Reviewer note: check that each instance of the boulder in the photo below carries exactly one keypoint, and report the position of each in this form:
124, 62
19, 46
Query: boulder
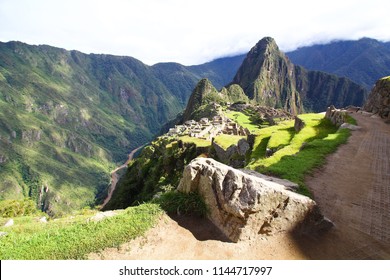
243, 206
298, 124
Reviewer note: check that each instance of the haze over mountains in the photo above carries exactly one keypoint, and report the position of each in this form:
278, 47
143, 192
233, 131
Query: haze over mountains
66, 118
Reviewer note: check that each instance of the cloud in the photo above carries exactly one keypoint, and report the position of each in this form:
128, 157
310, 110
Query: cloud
188, 32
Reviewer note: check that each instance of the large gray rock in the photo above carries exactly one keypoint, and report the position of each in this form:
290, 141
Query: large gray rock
244, 206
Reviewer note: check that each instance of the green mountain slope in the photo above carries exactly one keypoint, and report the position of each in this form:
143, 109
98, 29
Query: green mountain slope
67, 117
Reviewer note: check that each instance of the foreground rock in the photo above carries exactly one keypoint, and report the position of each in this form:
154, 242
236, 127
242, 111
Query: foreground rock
243, 206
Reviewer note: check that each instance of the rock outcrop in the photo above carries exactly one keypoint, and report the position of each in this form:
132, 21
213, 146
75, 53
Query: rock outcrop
378, 101
243, 206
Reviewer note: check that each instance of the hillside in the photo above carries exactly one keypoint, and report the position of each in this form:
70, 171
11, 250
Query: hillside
67, 118
363, 61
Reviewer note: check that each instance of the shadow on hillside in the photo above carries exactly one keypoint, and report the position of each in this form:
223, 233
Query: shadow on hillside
201, 228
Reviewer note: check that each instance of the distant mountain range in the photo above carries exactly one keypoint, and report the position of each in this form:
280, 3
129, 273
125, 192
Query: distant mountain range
67, 118
363, 61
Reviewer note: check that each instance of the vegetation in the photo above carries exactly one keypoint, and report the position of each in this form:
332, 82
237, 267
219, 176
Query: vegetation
174, 202
225, 140
245, 120
158, 169
67, 119
74, 237
296, 154
15, 208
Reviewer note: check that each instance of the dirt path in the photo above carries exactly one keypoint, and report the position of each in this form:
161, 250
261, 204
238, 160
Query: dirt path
352, 189
115, 176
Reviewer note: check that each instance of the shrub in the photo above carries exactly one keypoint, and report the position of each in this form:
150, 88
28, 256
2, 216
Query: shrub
13, 208
174, 202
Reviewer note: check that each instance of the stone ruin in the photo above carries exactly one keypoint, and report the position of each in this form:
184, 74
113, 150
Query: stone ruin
336, 116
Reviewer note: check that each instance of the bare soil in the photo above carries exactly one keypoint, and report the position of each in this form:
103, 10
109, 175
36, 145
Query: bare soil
352, 190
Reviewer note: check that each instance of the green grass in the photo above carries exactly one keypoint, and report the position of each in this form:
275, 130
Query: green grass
174, 202
243, 120
225, 140
74, 237
303, 152
198, 142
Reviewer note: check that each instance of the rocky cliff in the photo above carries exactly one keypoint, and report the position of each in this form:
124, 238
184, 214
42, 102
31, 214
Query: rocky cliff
244, 206
378, 101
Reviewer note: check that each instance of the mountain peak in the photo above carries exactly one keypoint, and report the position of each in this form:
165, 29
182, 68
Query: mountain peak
203, 89
266, 76
264, 44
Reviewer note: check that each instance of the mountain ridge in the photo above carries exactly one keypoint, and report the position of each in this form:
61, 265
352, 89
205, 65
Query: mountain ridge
364, 61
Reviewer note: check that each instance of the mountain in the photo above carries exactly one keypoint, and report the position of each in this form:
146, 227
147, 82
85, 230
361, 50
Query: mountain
363, 61
269, 78
68, 118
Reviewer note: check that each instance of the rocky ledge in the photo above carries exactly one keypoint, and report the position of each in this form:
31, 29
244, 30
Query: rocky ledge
243, 206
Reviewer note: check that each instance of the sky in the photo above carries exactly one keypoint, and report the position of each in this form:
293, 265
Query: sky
188, 31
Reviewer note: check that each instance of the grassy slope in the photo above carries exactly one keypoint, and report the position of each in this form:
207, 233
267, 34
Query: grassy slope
73, 237
295, 154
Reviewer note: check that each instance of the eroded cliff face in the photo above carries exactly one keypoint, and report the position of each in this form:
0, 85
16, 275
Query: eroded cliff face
378, 101
244, 206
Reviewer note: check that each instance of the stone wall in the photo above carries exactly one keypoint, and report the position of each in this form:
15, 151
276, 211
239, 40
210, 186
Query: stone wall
378, 101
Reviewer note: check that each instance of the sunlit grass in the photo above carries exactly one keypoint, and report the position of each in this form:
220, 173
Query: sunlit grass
243, 120
303, 152
225, 140
198, 142
74, 237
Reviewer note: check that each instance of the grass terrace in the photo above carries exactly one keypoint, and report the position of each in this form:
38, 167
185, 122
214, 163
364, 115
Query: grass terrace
296, 154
